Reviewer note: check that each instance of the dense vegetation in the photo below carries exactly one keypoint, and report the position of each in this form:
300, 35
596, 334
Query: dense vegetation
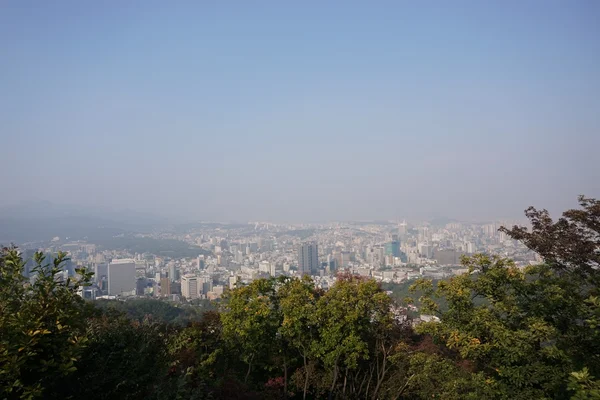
164, 247
148, 309
504, 333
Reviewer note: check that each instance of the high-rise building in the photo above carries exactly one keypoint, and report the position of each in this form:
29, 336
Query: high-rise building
425, 249
140, 286
233, 280
239, 257
205, 284
393, 248
344, 259
447, 257
403, 228
470, 247
308, 259
375, 255
165, 287
173, 272
121, 277
100, 270
189, 287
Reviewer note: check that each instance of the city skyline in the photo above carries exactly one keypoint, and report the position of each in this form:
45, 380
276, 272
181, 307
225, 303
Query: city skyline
300, 200
38, 209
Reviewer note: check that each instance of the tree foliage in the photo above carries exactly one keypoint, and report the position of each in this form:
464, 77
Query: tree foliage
538, 325
43, 325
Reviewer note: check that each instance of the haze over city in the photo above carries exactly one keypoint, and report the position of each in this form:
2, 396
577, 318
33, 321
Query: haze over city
279, 200
301, 112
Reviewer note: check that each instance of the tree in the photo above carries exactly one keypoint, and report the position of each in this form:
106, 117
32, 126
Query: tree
251, 321
298, 300
43, 325
570, 248
348, 315
536, 324
514, 349
123, 359
198, 357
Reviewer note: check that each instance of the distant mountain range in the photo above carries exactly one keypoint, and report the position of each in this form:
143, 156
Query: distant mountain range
41, 221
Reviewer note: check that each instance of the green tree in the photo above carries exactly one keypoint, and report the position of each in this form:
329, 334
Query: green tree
536, 324
583, 386
43, 325
123, 359
251, 322
566, 291
298, 299
348, 316
198, 357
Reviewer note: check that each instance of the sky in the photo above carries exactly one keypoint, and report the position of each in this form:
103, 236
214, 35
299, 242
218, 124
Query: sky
301, 111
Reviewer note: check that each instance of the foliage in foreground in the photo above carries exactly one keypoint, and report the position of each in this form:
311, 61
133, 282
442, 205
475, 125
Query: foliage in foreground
504, 333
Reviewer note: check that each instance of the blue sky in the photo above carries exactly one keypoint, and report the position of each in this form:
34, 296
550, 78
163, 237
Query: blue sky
301, 111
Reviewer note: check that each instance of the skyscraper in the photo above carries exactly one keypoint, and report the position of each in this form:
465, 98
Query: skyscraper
403, 228
393, 248
121, 277
308, 259
100, 270
173, 272
205, 284
140, 286
165, 287
189, 287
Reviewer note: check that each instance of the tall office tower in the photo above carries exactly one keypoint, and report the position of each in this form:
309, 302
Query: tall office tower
344, 260
470, 247
140, 286
100, 270
272, 269
308, 259
403, 228
393, 248
425, 250
165, 287
173, 272
239, 257
189, 287
121, 277
205, 284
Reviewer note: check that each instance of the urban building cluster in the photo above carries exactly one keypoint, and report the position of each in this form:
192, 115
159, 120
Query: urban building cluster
240, 253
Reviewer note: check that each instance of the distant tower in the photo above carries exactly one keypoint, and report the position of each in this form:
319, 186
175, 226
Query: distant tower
403, 228
100, 271
121, 277
308, 259
173, 273
189, 287
165, 287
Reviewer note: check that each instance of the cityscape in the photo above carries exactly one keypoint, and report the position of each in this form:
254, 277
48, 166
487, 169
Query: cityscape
229, 255
316, 200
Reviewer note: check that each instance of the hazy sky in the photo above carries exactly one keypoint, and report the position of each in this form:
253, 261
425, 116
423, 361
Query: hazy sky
237, 110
